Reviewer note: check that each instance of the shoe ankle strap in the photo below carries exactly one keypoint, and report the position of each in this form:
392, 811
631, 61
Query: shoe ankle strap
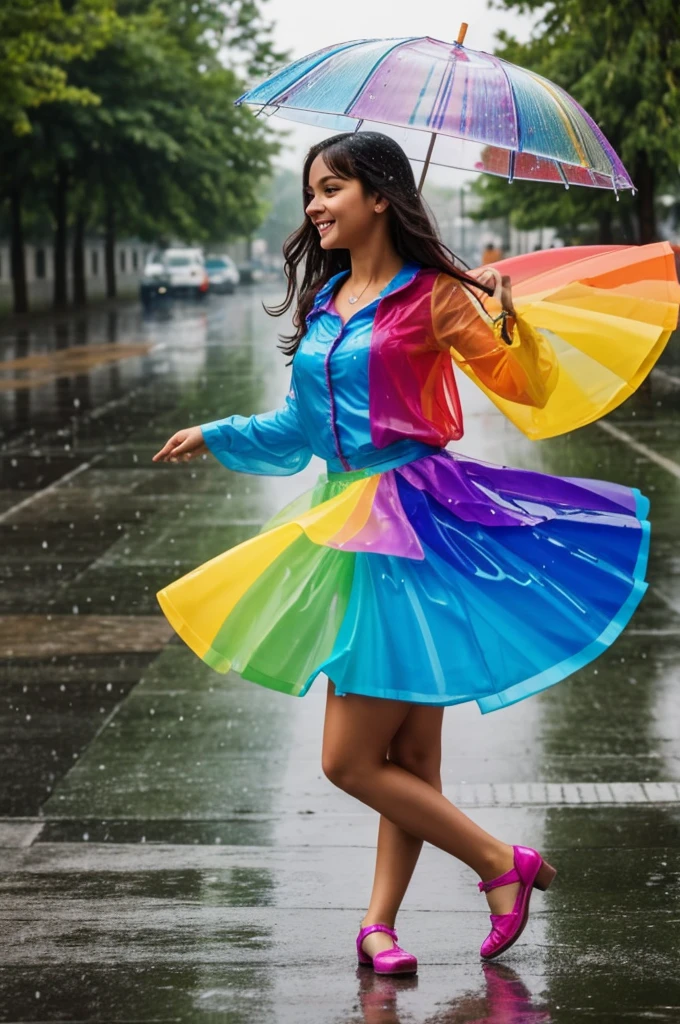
376, 928
510, 876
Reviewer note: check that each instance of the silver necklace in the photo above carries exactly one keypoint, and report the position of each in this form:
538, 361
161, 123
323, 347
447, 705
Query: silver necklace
355, 298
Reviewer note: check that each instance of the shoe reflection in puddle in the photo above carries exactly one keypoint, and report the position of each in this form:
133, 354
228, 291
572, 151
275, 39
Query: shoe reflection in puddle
504, 999
379, 995
508, 1000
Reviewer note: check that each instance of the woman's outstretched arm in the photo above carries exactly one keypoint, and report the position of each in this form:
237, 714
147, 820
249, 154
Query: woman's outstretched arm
269, 443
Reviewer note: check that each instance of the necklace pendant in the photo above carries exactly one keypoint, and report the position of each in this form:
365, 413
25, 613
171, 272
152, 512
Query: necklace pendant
352, 299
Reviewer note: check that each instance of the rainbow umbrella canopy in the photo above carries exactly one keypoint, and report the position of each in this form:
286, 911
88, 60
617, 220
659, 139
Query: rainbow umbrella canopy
449, 105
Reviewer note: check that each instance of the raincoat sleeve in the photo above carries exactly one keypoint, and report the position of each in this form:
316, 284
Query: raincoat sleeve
270, 443
521, 369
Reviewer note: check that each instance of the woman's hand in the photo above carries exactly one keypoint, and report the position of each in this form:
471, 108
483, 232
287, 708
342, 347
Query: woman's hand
503, 293
183, 446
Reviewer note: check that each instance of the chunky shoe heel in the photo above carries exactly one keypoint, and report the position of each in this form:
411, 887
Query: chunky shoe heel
532, 872
389, 961
545, 877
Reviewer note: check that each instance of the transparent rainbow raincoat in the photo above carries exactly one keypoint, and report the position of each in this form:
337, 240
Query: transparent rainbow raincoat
412, 572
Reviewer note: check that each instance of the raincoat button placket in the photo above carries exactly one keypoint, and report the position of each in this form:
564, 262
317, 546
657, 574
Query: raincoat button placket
333, 423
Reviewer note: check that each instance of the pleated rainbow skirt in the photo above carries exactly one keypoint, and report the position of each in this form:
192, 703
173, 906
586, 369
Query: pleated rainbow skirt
440, 581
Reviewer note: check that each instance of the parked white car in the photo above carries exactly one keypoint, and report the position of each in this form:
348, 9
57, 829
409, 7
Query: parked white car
185, 269
154, 265
223, 273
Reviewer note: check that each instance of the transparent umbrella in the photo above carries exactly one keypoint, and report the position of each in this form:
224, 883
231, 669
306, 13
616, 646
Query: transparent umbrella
448, 105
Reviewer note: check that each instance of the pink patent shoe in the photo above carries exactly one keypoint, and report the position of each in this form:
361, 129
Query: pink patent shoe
532, 872
389, 961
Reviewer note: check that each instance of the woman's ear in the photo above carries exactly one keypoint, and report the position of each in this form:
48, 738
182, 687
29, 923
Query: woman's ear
381, 204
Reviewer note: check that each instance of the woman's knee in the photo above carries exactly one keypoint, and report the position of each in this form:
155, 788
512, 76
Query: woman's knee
418, 759
344, 772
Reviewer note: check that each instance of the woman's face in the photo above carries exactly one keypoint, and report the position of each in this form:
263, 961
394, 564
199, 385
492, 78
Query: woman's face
342, 214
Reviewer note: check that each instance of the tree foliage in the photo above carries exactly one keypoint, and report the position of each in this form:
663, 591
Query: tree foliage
39, 39
621, 60
143, 135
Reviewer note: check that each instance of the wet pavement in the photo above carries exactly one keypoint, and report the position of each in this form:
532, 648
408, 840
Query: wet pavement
169, 848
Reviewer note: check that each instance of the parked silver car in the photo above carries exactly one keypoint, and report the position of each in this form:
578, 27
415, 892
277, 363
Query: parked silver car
222, 274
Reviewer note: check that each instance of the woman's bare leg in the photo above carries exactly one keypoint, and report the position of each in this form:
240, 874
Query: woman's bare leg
358, 732
417, 748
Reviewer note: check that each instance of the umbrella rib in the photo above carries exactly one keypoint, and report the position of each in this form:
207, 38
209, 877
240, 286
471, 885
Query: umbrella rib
515, 110
371, 72
421, 94
560, 171
446, 87
511, 166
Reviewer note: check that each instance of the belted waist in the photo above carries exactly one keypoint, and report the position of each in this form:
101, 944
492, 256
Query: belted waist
414, 450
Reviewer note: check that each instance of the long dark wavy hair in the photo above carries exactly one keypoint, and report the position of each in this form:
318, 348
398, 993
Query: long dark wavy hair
382, 167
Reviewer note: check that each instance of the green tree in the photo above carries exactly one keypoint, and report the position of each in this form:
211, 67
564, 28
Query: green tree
39, 40
167, 153
160, 150
621, 61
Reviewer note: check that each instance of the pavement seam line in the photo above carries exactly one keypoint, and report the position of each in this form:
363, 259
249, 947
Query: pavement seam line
658, 372
668, 464
50, 487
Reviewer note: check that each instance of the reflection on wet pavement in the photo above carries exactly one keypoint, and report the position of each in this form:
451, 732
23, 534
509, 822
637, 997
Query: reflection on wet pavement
170, 849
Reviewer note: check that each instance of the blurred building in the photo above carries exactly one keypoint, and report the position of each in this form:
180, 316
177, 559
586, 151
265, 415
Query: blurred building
130, 255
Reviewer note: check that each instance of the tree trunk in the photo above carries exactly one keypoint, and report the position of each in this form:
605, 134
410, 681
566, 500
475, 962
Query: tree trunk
627, 221
79, 285
110, 249
17, 252
645, 183
605, 234
60, 295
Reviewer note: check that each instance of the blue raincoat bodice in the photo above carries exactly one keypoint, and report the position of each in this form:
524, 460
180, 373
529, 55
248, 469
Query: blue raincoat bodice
326, 409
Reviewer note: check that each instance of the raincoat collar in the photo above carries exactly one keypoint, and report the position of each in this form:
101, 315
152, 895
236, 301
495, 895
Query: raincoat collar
324, 296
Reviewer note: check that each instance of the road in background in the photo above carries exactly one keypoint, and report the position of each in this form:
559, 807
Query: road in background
170, 847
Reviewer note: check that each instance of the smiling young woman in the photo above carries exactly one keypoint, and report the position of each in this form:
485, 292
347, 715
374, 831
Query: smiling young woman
414, 576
